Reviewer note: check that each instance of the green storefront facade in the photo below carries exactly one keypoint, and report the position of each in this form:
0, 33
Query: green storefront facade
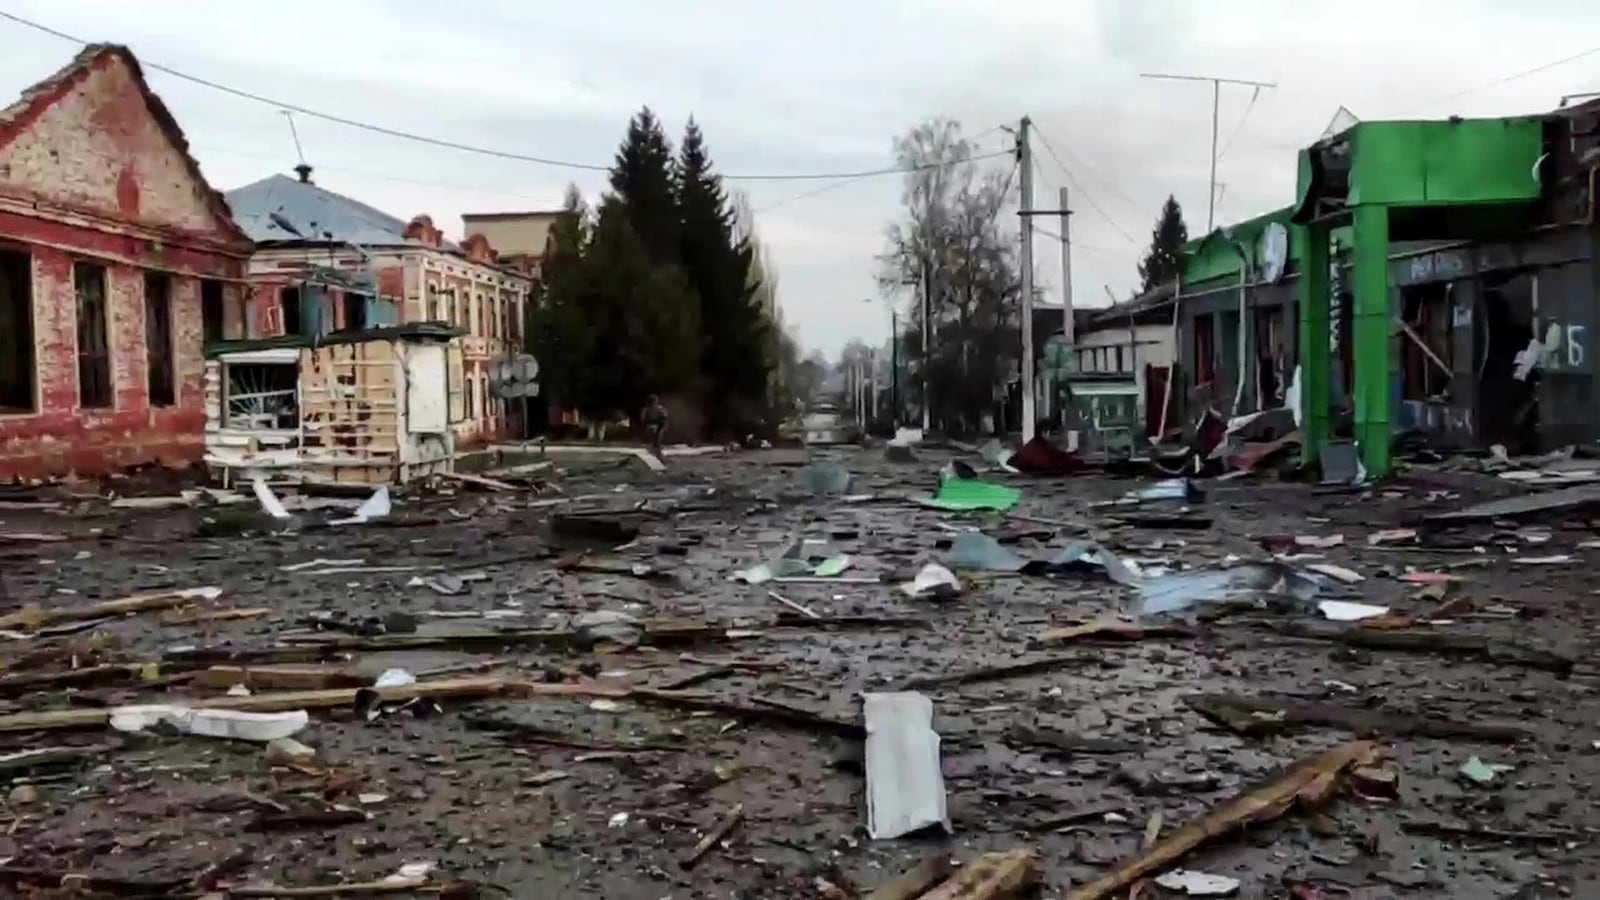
1432, 278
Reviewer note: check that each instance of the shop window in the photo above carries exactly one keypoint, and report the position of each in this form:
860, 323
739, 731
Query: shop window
1205, 343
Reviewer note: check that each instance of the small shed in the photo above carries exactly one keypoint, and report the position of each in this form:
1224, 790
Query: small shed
368, 406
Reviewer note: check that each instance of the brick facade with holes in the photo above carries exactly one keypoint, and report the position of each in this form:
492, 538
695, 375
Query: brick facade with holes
116, 260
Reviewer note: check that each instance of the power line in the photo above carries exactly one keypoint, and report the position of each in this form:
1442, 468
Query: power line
1228, 145
827, 188
454, 145
1545, 67
1088, 197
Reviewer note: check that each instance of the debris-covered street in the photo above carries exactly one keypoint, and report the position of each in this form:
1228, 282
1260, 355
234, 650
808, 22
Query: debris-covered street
605, 681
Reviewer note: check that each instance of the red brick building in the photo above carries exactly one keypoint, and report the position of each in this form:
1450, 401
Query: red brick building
117, 261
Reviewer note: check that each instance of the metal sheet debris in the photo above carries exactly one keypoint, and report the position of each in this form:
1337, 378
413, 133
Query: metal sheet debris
905, 787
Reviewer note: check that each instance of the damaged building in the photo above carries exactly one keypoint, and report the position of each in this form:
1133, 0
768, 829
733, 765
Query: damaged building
117, 261
326, 263
1433, 284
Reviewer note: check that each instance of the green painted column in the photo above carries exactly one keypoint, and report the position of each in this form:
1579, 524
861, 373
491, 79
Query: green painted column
1314, 365
1369, 335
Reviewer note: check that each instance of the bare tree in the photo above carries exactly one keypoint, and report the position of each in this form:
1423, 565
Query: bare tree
956, 239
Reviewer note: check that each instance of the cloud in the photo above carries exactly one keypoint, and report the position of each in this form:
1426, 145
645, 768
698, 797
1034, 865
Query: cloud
821, 86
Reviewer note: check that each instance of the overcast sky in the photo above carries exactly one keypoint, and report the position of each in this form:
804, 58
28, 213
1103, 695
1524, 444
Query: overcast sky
816, 86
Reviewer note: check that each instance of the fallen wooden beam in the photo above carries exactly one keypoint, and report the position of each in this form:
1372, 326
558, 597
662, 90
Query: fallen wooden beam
29, 537
1469, 646
279, 678
1272, 715
34, 617
728, 823
349, 888
1308, 782
88, 676
201, 616
480, 481
457, 687
992, 876
1112, 631
916, 881
996, 673
1438, 828
787, 716
1055, 742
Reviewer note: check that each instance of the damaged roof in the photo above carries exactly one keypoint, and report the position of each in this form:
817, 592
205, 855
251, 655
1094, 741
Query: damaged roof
318, 214
35, 99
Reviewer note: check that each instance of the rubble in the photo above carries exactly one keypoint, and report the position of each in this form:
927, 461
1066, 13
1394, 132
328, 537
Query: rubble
1124, 678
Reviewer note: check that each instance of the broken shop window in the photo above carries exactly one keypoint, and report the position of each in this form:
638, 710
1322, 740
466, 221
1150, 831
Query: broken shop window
263, 396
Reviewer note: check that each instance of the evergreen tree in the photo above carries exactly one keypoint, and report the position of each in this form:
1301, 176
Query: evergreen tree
1164, 261
648, 318
560, 334
718, 263
642, 177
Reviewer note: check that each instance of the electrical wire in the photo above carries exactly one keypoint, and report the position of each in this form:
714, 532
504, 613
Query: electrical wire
828, 188
1088, 197
1254, 96
455, 145
1545, 67
1099, 179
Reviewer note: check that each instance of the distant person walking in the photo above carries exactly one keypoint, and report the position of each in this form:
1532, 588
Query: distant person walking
655, 423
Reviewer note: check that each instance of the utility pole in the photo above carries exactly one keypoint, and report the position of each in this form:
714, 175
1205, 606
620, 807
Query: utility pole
1068, 325
1026, 367
927, 347
894, 364
1216, 104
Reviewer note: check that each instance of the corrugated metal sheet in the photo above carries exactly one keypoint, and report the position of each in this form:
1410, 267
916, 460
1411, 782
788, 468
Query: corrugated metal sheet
905, 788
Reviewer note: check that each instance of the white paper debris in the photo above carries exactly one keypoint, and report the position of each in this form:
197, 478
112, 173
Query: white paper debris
1345, 611
375, 507
230, 724
932, 577
269, 501
394, 678
410, 873
1337, 573
618, 820
1198, 884
239, 690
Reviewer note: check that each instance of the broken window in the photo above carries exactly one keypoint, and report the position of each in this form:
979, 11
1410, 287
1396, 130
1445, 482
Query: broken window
1425, 352
158, 339
213, 320
263, 396
289, 303
94, 354
355, 311
16, 333
1205, 342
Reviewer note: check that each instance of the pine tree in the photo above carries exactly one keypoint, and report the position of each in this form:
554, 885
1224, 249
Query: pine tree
560, 334
642, 177
648, 318
718, 264
1164, 261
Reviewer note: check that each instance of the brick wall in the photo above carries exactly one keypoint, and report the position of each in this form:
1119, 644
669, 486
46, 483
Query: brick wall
62, 439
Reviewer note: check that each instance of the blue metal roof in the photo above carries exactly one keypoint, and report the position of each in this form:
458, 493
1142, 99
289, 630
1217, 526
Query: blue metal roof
318, 214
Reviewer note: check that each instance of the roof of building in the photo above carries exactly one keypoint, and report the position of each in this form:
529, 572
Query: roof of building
499, 216
36, 99
417, 332
264, 207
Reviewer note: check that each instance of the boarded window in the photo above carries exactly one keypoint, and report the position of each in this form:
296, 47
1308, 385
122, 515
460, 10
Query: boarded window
17, 382
94, 355
158, 338
213, 321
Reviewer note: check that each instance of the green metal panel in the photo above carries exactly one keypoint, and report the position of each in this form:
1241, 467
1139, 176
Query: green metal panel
1314, 343
1370, 332
1445, 163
